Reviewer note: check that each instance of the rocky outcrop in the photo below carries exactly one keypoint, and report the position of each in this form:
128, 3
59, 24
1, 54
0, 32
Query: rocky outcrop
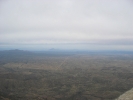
126, 96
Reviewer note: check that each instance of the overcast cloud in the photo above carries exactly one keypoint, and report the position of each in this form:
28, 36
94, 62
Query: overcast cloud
86, 23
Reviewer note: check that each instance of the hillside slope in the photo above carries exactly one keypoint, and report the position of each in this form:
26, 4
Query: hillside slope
127, 95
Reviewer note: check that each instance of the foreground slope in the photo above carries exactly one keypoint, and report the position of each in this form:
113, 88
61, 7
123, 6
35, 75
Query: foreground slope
127, 95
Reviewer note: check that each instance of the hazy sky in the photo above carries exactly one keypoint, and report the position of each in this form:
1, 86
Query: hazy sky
66, 24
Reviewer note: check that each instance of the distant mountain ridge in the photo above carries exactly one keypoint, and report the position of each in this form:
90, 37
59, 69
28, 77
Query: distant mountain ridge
15, 56
15, 52
52, 50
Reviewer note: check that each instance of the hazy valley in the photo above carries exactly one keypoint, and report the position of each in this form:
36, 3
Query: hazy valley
27, 75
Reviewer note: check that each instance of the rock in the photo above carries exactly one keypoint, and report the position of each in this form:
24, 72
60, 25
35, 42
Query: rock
126, 96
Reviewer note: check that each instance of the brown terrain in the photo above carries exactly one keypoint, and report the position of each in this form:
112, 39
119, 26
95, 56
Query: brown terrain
65, 76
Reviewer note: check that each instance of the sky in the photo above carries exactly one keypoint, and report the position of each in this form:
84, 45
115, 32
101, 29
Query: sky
66, 24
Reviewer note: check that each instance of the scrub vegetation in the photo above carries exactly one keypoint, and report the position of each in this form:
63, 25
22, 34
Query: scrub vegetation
64, 75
